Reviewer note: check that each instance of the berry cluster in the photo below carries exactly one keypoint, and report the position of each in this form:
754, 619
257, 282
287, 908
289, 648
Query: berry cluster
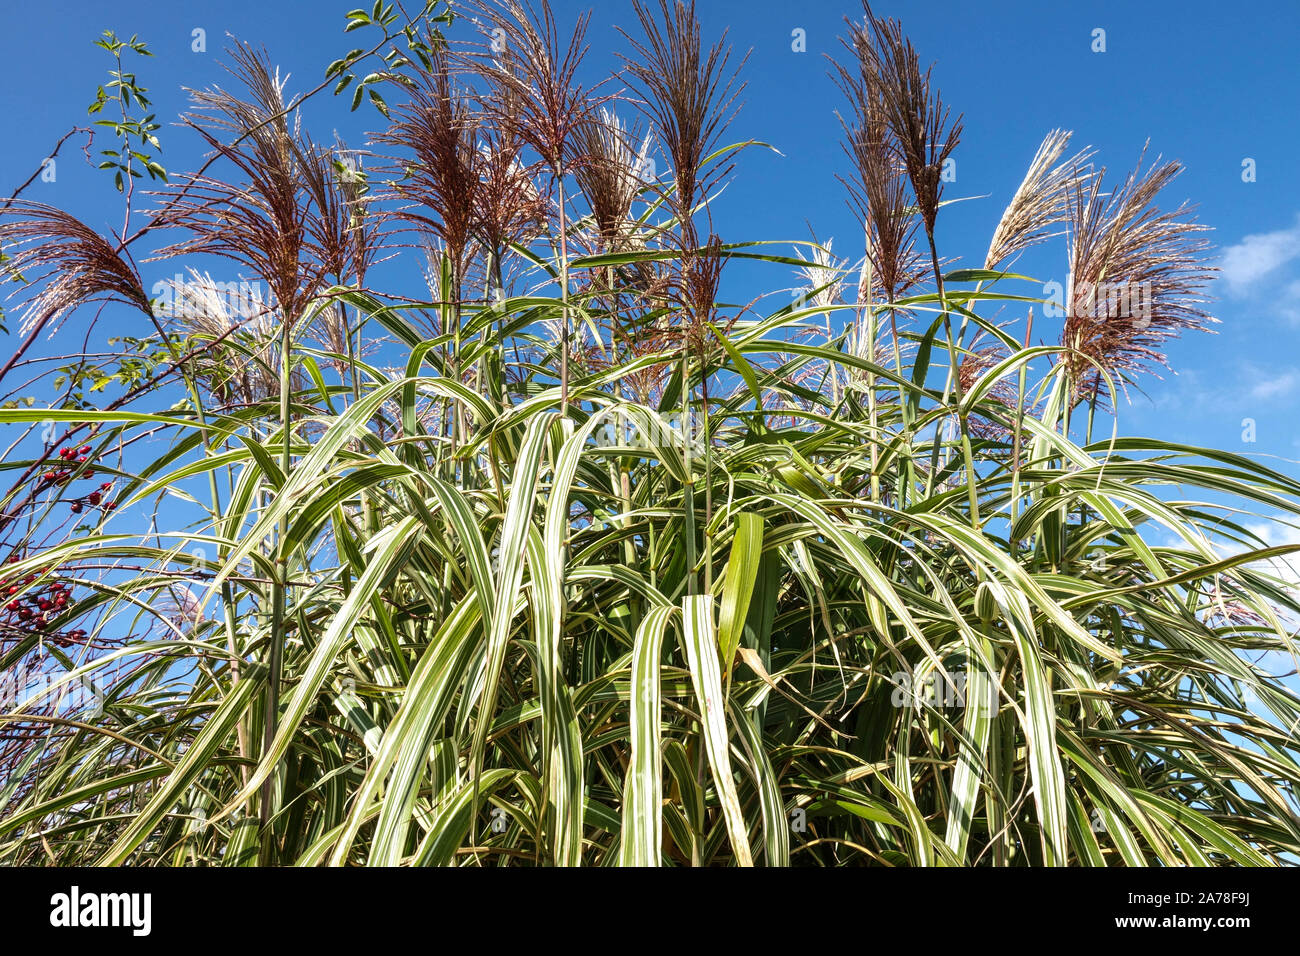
33, 609
61, 475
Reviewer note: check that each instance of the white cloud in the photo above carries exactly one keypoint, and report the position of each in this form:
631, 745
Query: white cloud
1276, 387
1244, 387
1274, 534
1258, 255
1289, 306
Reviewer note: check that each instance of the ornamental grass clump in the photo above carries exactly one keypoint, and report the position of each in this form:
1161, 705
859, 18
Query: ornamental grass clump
825, 582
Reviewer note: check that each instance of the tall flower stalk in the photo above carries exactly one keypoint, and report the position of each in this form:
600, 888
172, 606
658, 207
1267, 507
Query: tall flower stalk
262, 222
689, 97
534, 75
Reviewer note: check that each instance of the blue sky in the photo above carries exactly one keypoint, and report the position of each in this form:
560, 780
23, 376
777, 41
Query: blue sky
1208, 83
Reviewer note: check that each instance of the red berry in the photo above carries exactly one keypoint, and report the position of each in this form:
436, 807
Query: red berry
65, 452
76, 507
24, 613
83, 450
39, 623
109, 505
13, 605
82, 459
104, 487
94, 497
43, 604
